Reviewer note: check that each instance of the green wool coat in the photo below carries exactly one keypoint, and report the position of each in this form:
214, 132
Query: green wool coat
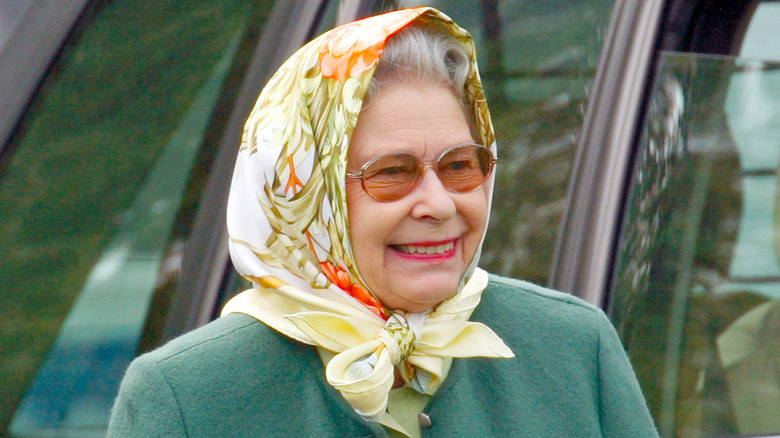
237, 377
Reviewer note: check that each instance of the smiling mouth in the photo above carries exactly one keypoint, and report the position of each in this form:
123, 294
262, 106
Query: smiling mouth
425, 249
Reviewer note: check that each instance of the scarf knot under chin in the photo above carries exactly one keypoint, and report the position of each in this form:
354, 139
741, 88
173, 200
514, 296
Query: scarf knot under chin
366, 348
398, 337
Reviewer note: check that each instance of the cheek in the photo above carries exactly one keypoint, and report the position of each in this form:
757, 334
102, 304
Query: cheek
484, 202
475, 213
355, 214
364, 219
475, 207
367, 232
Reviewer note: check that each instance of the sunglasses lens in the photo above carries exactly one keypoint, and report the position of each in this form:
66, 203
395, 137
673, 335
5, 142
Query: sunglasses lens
464, 168
391, 177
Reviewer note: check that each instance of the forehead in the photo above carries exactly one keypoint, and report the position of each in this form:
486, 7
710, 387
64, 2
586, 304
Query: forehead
420, 119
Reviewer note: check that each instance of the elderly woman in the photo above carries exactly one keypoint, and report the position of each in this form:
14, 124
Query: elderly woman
358, 208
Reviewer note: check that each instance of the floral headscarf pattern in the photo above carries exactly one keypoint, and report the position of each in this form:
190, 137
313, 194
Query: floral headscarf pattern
287, 211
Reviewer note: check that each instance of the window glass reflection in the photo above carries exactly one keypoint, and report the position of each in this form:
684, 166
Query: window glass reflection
697, 288
698, 283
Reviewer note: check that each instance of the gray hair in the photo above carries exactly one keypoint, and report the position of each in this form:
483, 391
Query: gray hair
427, 52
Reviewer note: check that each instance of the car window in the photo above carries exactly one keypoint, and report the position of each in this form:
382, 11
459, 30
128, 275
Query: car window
537, 61
696, 296
91, 185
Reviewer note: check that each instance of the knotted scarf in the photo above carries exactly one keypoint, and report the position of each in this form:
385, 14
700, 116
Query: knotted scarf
288, 227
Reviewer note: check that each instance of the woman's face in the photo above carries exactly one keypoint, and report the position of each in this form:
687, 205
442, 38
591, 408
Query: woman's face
388, 238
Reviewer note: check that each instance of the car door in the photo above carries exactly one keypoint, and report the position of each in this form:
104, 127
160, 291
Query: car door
673, 223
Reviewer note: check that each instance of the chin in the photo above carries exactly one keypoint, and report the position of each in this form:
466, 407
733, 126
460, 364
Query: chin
431, 298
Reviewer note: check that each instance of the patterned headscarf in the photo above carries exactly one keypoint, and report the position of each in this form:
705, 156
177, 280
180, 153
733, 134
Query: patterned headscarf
288, 227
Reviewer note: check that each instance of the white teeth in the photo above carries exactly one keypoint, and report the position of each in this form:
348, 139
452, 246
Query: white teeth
435, 249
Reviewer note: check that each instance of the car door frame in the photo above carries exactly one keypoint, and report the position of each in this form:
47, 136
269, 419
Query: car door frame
587, 237
33, 35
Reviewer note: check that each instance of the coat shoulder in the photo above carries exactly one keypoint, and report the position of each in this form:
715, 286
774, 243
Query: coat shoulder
508, 299
232, 328
230, 343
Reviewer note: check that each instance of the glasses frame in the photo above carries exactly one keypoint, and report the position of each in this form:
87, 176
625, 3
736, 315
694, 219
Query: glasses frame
421, 169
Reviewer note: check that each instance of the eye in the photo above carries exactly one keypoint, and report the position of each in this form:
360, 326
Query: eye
389, 166
460, 165
390, 171
458, 161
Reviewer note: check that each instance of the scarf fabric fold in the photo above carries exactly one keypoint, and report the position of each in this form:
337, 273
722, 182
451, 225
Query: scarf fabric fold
287, 221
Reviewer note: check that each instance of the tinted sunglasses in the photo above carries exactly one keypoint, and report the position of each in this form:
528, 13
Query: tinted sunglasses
460, 169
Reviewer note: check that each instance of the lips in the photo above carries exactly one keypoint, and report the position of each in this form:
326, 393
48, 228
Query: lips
426, 249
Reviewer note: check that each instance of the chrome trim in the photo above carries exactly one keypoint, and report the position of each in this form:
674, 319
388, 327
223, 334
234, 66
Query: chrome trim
348, 11
33, 33
206, 255
586, 239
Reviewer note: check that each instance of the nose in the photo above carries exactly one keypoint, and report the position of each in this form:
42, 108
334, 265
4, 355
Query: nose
431, 199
